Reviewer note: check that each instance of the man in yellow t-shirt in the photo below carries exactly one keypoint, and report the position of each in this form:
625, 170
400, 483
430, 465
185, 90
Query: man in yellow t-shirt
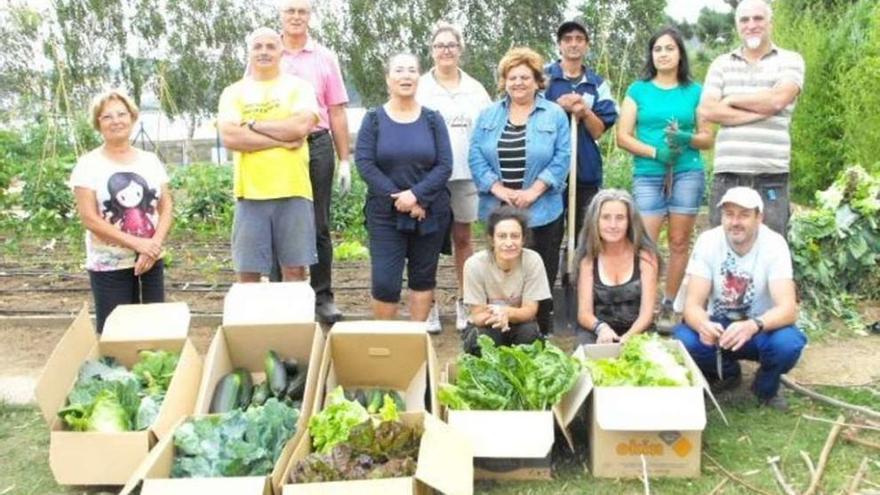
264, 119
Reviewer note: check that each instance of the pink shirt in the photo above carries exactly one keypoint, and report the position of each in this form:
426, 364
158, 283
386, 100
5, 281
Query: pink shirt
319, 66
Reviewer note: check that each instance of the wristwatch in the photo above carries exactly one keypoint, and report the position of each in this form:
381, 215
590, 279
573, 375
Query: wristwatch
759, 323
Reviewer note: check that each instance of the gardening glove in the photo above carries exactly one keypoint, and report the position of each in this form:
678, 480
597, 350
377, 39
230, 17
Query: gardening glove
343, 176
678, 138
666, 155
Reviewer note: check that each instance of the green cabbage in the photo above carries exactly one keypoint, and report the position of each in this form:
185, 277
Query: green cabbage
644, 361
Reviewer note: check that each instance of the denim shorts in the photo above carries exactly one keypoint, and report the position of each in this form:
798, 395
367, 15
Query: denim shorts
651, 197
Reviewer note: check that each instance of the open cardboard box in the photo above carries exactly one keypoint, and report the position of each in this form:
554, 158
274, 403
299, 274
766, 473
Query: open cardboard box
662, 424
445, 464
394, 355
243, 340
93, 458
516, 445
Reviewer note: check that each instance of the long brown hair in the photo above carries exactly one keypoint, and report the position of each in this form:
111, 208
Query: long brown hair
590, 242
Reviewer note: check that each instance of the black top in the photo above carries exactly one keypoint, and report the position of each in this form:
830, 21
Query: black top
512, 155
618, 305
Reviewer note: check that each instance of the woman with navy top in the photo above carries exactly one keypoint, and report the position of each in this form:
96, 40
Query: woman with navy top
658, 124
519, 155
404, 156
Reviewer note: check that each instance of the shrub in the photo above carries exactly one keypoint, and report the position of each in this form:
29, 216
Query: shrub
203, 197
347, 210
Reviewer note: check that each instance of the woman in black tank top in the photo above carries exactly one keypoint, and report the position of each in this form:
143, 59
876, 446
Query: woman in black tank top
618, 267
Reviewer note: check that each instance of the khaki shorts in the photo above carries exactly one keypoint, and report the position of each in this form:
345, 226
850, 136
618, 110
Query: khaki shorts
463, 199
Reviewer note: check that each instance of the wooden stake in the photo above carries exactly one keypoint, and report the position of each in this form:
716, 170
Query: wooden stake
857, 478
865, 443
719, 486
645, 476
734, 477
780, 478
788, 382
823, 457
809, 462
848, 425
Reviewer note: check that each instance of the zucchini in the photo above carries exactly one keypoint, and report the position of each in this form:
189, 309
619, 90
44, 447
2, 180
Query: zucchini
296, 388
291, 367
226, 394
247, 388
261, 394
374, 400
275, 374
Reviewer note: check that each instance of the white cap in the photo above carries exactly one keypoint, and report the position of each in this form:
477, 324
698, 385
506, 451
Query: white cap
743, 196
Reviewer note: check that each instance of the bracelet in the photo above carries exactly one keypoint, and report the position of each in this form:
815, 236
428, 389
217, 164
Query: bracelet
597, 325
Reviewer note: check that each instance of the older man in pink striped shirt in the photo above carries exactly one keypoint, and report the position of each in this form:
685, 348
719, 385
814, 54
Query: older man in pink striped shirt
308, 59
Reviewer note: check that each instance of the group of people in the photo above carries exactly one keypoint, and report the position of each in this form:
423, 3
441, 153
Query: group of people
439, 155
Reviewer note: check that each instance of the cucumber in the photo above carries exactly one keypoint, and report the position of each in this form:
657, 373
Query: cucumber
360, 397
296, 388
275, 374
261, 394
247, 388
226, 394
291, 367
374, 400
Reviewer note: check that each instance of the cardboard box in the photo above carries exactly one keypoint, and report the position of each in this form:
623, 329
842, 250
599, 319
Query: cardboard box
243, 340
516, 445
381, 354
663, 425
445, 464
92, 458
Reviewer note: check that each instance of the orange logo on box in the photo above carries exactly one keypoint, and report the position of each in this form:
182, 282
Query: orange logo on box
682, 447
639, 447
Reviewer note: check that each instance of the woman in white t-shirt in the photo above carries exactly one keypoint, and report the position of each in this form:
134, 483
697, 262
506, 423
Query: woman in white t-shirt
503, 284
124, 202
459, 98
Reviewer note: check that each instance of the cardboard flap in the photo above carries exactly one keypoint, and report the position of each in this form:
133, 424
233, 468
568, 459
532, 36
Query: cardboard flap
250, 485
277, 302
149, 461
671, 408
700, 380
156, 321
62, 368
380, 327
565, 411
181, 395
446, 459
502, 434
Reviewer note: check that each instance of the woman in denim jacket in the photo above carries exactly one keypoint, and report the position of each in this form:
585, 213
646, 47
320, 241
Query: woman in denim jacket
519, 155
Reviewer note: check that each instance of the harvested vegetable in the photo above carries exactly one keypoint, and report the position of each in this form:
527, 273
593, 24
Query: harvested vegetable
379, 446
644, 361
372, 399
530, 377
109, 398
333, 425
236, 443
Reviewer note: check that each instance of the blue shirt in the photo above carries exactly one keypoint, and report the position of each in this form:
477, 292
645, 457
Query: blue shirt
597, 94
548, 150
393, 157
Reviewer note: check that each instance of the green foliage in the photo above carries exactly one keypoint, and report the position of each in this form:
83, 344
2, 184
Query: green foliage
644, 361
235, 443
836, 248
530, 377
350, 251
203, 197
347, 215
333, 425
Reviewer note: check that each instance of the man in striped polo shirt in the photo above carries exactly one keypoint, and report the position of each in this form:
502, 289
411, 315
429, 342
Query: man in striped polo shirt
751, 93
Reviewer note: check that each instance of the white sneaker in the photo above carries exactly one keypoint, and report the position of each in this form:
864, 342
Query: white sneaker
461, 315
433, 320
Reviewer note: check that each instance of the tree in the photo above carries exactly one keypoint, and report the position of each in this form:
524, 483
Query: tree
22, 83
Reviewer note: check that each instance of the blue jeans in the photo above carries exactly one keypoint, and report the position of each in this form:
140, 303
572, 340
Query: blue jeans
777, 351
684, 198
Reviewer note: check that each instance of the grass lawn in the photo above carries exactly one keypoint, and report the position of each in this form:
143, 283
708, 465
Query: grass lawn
742, 448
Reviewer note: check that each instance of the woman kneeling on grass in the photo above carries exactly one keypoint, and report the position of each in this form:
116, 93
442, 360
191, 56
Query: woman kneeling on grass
124, 202
503, 284
618, 267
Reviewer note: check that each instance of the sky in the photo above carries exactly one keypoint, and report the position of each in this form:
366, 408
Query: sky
689, 10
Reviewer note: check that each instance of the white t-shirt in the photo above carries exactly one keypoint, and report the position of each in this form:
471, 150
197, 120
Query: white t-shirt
740, 284
127, 197
459, 108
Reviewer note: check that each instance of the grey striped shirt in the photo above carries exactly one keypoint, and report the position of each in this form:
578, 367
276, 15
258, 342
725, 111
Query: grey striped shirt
762, 147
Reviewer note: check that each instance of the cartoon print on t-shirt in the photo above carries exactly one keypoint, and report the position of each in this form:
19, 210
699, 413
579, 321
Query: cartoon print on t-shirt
737, 291
131, 205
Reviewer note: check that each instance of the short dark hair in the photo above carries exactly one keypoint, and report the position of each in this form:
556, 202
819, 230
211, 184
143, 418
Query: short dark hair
507, 212
683, 72
569, 26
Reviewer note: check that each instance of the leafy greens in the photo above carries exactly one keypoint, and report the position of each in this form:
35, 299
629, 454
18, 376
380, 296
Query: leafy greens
644, 361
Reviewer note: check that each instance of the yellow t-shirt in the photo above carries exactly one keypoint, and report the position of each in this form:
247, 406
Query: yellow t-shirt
274, 172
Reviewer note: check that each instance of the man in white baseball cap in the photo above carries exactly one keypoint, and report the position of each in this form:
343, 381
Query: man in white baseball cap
741, 300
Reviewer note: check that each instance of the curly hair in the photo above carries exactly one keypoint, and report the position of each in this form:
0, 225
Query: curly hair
521, 56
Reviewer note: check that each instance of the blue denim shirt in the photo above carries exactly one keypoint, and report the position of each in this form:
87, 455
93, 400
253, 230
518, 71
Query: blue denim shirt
548, 150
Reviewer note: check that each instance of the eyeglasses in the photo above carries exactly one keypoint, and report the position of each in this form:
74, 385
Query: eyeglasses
107, 117
293, 11
445, 46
